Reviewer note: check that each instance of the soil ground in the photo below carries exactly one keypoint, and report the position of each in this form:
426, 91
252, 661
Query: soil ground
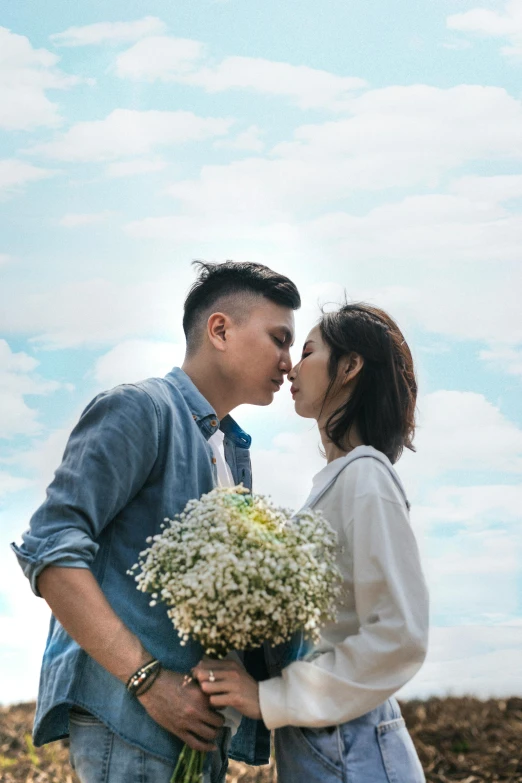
458, 739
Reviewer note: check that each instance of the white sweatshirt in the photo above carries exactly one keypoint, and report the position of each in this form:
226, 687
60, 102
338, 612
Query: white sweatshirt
379, 639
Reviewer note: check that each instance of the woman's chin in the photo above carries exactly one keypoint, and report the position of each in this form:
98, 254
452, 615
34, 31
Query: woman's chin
301, 410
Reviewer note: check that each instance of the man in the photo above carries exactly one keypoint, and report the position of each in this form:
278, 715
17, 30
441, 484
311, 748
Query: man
137, 455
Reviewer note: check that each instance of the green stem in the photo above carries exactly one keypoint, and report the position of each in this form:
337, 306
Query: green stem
189, 768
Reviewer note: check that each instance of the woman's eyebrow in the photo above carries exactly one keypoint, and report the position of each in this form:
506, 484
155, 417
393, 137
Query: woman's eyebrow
307, 343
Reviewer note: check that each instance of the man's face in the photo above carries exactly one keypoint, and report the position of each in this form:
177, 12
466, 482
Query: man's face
258, 352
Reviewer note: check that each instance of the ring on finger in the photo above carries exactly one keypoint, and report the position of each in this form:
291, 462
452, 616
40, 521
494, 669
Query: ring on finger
211, 676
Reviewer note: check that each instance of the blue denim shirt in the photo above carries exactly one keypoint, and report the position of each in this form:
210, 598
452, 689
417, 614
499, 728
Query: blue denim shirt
137, 455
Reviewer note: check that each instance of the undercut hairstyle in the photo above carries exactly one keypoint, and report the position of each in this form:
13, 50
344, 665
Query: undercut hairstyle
383, 401
233, 286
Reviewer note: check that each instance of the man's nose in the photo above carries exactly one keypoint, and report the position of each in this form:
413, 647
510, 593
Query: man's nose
285, 365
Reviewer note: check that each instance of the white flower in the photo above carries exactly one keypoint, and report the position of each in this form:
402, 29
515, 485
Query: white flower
235, 571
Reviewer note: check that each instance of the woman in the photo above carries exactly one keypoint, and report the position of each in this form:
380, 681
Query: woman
334, 712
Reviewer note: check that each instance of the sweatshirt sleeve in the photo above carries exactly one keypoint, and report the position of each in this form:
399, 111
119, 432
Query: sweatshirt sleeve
391, 602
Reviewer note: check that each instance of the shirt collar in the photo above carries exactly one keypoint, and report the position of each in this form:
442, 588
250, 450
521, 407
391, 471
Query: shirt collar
202, 411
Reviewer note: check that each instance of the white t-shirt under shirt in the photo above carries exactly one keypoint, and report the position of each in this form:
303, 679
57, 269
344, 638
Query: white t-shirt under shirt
225, 478
379, 639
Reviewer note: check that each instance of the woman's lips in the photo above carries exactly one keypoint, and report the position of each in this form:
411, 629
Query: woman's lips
293, 391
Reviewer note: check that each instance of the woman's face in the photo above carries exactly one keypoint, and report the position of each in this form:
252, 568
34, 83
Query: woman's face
310, 379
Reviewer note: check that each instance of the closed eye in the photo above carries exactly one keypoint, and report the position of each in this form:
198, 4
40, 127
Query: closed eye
305, 355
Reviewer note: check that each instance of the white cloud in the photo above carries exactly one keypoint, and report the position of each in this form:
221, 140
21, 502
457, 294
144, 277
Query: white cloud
44, 455
96, 312
182, 60
25, 76
74, 219
109, 32
425, 227
134, 360
458, 45
10, 483
249, 140
482, 661
191, 228
159, 57
475, 508
463, 431
505, 24
457, 431
505, 358
5, 258
477, 302
285, 470
126, 132
396, 137
15, 174
24, 619
131, 168
490, 190
17, 379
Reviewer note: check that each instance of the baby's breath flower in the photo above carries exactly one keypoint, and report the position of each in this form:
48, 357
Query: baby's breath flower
234, 571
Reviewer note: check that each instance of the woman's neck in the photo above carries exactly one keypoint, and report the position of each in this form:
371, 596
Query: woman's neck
350, 442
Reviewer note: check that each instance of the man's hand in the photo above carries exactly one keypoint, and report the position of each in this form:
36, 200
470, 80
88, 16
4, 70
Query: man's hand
176, 702
228, 684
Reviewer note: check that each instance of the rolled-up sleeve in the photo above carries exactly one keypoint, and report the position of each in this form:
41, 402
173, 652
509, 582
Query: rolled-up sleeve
108, 458
365, 669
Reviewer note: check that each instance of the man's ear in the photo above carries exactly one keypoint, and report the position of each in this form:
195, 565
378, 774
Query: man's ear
217, 327
352, 365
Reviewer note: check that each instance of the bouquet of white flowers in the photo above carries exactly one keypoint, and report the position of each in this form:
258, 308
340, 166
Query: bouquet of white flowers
235, 571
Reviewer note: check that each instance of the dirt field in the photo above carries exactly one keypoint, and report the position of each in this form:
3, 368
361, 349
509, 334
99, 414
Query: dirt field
457, 739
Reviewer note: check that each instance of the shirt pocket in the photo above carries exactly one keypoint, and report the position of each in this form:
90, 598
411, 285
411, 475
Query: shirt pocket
398, 752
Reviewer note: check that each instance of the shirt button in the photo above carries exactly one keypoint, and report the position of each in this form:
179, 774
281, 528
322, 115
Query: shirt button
194, 416
214, 460
213, 423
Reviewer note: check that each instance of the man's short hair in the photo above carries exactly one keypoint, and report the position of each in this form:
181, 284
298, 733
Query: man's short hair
219, 281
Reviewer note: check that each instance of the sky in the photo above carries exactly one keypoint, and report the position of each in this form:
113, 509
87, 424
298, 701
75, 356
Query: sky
366, 149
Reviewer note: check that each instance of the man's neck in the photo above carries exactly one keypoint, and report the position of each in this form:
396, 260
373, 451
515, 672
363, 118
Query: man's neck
211, 386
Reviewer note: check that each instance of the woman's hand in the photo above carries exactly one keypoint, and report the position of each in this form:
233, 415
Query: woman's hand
228, 684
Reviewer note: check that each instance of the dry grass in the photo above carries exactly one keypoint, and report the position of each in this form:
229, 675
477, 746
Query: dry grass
462, 740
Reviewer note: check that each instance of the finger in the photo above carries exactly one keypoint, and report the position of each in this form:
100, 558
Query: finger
219, 686
203, 730
220, 700
209, 675
209, 663
213, 719
196, 743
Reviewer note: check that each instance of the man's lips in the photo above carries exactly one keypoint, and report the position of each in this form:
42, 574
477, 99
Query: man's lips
277, 383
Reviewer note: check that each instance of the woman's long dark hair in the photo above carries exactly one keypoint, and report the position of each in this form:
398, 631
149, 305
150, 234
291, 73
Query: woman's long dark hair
382, 402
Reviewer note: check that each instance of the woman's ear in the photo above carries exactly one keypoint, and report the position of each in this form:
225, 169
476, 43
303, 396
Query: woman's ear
352, 365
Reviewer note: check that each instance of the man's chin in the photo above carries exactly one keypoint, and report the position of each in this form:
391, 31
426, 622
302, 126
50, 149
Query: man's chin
262, 400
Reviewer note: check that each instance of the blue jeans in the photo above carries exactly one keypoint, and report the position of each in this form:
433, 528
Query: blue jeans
100, 756
375, 748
